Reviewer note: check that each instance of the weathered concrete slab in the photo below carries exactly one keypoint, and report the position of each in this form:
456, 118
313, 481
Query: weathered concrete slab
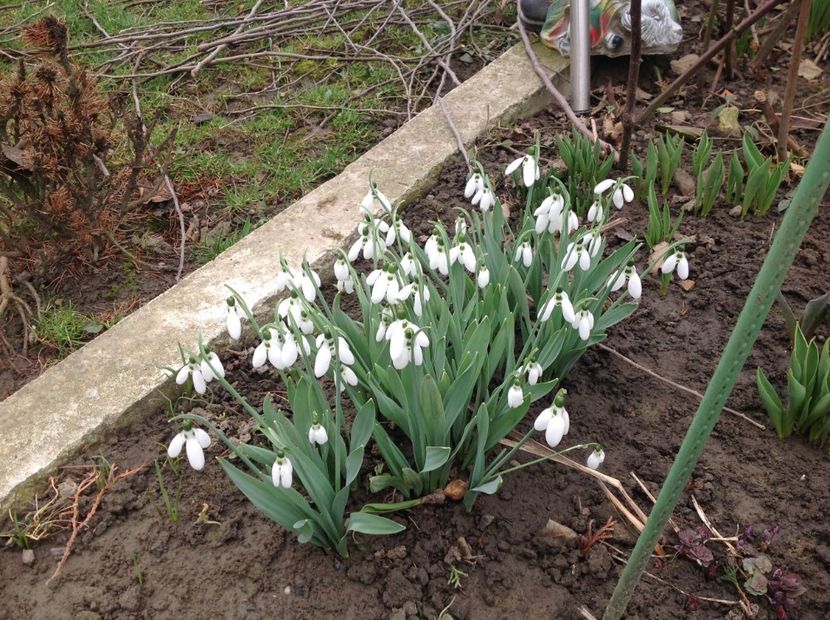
117, 377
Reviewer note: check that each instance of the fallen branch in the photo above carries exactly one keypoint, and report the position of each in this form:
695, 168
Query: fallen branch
792, 78
169, 184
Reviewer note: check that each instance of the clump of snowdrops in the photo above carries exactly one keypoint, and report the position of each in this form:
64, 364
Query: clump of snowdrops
453, 343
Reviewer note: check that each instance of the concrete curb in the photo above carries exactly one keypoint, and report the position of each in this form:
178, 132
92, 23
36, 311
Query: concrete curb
117, 377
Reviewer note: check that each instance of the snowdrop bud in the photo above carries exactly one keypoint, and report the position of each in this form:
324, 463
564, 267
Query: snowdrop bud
530, 171
195, 453
596, 458
233, 320
635, 286
348, 375
683, 267
322, 360
669, 264
483, 278
341, 269
199, 383
515, 396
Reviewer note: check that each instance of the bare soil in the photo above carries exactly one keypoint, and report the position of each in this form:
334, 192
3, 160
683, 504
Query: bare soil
132, 562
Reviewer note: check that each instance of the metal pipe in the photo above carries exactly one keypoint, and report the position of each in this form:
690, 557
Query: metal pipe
580, 31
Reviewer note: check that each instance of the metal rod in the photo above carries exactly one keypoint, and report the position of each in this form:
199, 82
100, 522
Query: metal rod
788, 239
580, 31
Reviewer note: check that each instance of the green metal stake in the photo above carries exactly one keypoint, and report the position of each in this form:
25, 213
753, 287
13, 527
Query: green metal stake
794, 226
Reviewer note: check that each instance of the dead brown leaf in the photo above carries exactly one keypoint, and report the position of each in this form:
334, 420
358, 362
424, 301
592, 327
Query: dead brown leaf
687, 285
684, 63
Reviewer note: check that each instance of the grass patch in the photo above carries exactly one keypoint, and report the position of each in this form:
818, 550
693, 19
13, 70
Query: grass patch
65, 329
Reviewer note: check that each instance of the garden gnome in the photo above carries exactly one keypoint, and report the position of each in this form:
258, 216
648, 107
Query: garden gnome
610, 25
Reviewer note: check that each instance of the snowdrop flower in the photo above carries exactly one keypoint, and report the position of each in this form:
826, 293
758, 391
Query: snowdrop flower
385, 284
485, 199
317, 433
596, 458
595, 212
282, 471
409, 266
559, 299
515, 396
475, 184
534, 371
530, 169
463, 252
406, 343
277, 347
677, 262
348, 376
306, 284
524, 253
576, 253
460, 226
234, 317
483, 278
398, 230
385, 320
584, 322
195, 441
325, 351
192, 369
635, 286
211, 367
419, 294
593, 241
374, 194
554, 421
437, 255
549, 214
622, 192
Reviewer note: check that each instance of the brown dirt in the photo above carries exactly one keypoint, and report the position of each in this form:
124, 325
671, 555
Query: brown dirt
248, 567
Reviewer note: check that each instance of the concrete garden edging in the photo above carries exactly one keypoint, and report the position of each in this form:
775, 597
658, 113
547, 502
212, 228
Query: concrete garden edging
115, 379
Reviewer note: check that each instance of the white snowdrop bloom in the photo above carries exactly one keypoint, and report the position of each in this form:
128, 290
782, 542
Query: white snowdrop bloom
576, 253
555, 430
406, 343
431, 245
515, 396
341, 270
549, 214
595, 212
460, 226
306, 284
346, 286
543, 419
282, 472
317, 434
233, 318
524, 253
408, 265
398, 230
372, 196
384, 284
483, 278
348, 375
629, 274
291, 306
475, 184
530, 169
283, 350
596, 458
195, 441
371, 248
584, 323
593, 241
261, 350
463, 253
622, 192
194, 370
677, 262
559, 299
439, 260
357, 246
534, 372
485, 199
211, 367
420, 295
325, 352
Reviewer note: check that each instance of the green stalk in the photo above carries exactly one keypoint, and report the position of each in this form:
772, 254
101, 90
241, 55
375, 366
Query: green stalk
788, 239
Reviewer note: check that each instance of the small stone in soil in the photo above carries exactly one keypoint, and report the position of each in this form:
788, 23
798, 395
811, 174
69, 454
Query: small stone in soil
555, 533
28, 557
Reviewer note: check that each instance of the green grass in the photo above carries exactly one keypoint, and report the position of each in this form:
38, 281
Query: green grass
261, 160
213, 244
65, 329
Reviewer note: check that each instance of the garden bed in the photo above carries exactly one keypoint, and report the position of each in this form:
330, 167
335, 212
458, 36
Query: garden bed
132, 562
